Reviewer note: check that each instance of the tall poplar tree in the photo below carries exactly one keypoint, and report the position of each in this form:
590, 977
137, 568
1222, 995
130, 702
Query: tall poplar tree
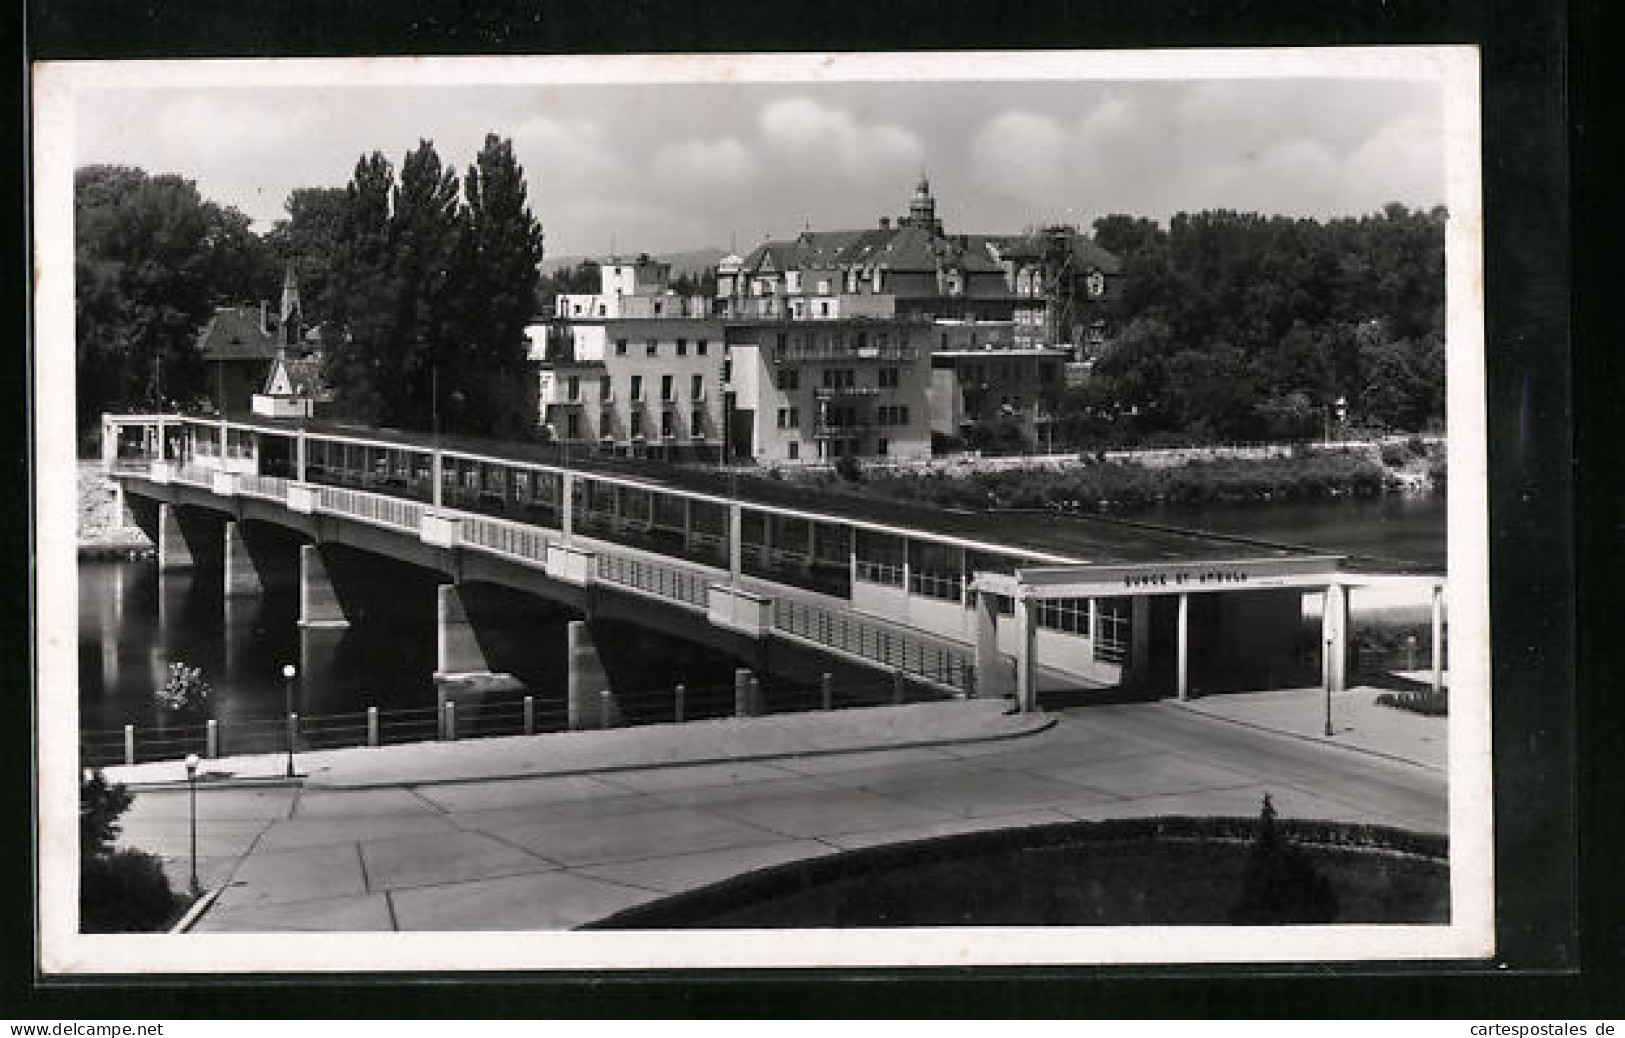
361, 297
425, 232
502, 255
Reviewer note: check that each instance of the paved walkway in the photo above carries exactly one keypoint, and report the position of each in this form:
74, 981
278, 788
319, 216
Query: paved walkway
1358, 721
557, 851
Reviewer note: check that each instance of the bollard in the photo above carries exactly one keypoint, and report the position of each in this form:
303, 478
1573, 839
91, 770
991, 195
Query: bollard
897, 687
603, 708
679, 694
741, 692
755, 696
451, 720
129, 744
372, 726
211, 739
530, 715
826, 690
1410, 652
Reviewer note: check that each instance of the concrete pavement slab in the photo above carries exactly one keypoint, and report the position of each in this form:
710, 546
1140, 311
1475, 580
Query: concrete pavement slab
213, 803
350, 803
694, 775
296, 875
365, 912
501, 819
538, 901
209, 844
314, 832
948, 827
988, 793
681, 872
212, 871
839, 762
809, 812
530, 792
656, 833
708, 797
910, 773
1155, 774
418, 861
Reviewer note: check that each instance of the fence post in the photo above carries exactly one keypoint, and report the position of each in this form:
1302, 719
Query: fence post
680, 694
211, 739
451, 720
530, 715
603, 708
372, 726
897, 686
741, 692
755, 696
129, 744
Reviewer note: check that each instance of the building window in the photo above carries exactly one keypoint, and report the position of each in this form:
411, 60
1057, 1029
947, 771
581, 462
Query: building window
620, 347
881, 445
888, 378
1068, 615
637, 425
788, 380
823, 309
1114, 630
637, 387
657, 309
665, 389
782, 341
700, 346
789, 417
696, 424
574, 390
682, 347
839, 378
696, 387
605, 390
667, 426
572, 425
651, 348
795, 449
606, 422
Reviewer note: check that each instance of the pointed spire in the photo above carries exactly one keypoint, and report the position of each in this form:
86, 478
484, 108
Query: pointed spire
292, 315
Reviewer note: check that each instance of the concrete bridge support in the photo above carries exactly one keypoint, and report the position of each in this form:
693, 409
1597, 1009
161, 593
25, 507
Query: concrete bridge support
243, 576
320, 604
587, 681
184, 538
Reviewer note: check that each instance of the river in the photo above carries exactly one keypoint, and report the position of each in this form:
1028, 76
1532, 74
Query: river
133, 622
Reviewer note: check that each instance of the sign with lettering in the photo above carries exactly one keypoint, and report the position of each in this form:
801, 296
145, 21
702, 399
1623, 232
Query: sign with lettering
1178, 578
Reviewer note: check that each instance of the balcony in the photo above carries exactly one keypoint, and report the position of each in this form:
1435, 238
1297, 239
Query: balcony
831, 392
799, 355
842, 430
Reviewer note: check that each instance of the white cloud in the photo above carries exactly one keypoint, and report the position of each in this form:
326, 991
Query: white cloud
800, 128
1021, 155
699, 164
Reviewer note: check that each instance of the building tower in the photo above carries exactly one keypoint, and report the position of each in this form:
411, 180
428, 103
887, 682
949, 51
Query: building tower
922, 209
291, 318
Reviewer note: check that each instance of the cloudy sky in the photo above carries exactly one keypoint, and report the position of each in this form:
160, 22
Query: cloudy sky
670, 167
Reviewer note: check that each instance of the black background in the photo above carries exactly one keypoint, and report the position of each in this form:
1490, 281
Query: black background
1553, 412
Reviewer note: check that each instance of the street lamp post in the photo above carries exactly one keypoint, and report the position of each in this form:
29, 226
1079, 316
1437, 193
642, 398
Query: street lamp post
191, 785
289, 672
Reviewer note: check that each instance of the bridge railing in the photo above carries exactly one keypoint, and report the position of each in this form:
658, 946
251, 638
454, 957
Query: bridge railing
514, 539
196, 475
372, 508
274, 488
884, 644
674, 583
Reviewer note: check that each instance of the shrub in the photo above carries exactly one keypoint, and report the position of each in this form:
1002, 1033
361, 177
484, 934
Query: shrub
120, 891
1417, 446
1394, 455
1282, 884
186, 692
849, 468
1423, 701
124, 892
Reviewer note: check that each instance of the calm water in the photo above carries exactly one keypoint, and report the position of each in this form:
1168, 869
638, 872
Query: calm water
133, 622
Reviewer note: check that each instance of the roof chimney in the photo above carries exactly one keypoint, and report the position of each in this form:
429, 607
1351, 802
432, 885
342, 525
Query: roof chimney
885, 223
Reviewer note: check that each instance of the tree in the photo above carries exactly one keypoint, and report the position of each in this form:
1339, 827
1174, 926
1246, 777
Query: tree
1281, 885
119, 890
185, 693
360, 361
152, 259
501, 263
307, 237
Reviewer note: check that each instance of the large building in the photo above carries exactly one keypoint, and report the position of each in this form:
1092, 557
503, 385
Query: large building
857, 343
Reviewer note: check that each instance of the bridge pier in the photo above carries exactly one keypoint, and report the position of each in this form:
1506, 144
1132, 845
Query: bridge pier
183, 539
587, 679
319, 602
243, 576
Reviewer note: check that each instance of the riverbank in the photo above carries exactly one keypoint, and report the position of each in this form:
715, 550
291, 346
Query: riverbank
101, 529
1096, 485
